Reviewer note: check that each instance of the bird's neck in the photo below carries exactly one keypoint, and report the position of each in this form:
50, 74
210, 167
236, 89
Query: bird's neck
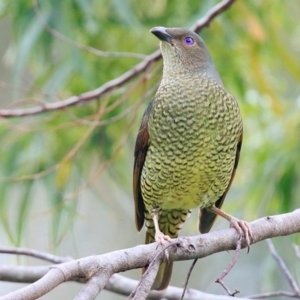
182, 73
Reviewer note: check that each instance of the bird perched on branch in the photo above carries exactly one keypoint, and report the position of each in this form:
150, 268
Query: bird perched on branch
188, 145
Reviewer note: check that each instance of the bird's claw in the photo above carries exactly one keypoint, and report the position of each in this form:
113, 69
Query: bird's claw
243, 229
161, 238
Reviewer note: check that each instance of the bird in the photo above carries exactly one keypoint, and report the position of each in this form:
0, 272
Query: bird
188, 146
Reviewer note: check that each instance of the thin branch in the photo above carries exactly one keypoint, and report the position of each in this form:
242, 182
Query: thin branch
36, 254
297, 251
284, 268
89, 49
87, 96
229, 267
68, 156
211, 14
188, 278
273, 294
118, 81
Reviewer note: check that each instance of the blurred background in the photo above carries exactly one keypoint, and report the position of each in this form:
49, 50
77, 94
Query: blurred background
66, 175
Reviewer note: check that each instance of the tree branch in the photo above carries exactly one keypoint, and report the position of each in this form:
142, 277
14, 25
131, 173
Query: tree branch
199, 246
117, 82
93, 287
36, 254
287, 274
284, 269
297, 251
82, 47
123, 286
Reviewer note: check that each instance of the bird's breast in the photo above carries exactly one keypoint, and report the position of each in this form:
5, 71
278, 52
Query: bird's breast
193, 137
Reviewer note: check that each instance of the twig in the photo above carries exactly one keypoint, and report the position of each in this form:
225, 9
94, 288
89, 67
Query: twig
87, 96
273, 294
284, 268
89, 49
188, 278
35, 253
297, 251
229, 267
118, 81
211, 14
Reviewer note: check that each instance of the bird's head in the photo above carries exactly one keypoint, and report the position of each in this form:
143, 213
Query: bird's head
184, 49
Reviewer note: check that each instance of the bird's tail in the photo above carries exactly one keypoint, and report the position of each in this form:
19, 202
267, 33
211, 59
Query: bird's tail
164, 273
170, 223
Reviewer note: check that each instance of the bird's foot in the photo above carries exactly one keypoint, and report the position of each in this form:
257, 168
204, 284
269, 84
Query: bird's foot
243, 229
161, 238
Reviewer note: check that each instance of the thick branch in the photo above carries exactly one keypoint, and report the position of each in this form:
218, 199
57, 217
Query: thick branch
117, 82
187, 248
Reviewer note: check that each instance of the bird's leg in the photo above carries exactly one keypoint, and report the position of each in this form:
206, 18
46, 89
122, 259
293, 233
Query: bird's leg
242, 227
160, 238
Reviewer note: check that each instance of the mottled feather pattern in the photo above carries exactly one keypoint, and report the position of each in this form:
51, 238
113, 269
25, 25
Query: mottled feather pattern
193, 144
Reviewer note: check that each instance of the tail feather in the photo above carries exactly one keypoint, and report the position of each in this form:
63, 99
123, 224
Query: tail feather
163, 276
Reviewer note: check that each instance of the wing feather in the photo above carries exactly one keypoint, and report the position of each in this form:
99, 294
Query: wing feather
140, 152
206, 217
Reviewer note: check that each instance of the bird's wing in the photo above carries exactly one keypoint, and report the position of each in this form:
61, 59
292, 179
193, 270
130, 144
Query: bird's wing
140, 152
207, 218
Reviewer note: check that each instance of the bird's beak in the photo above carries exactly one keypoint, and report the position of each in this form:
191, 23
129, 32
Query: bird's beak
162, 34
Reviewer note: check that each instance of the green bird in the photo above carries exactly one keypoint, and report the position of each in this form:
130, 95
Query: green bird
188, 145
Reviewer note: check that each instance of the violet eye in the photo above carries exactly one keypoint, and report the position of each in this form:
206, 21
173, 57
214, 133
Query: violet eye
189, 40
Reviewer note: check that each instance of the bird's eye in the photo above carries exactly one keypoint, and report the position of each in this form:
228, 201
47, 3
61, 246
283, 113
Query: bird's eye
189, 40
